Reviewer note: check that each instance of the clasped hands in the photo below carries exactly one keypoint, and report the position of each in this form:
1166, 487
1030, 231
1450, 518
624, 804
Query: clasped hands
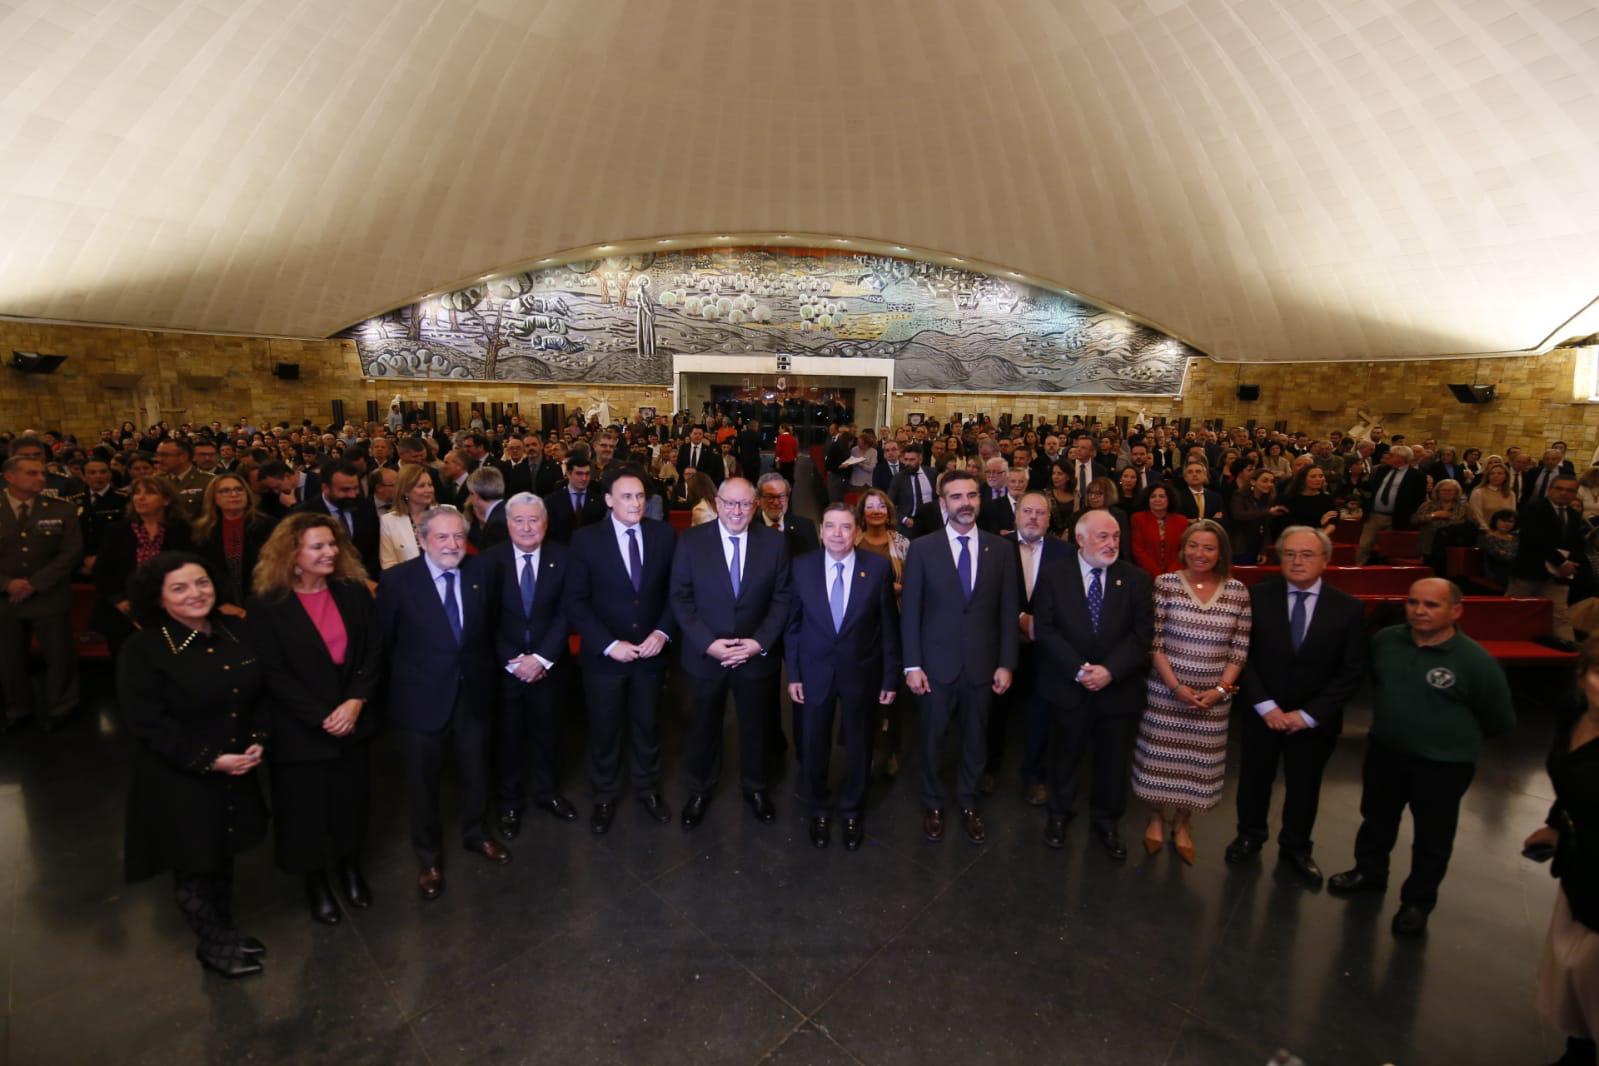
733, 651
240, 764
1285, 721
625, 651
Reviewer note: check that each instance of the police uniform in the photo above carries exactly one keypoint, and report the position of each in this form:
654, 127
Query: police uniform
44, 546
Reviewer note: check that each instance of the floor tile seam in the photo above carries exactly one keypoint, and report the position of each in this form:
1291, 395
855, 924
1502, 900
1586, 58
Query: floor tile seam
388, 990
13, 920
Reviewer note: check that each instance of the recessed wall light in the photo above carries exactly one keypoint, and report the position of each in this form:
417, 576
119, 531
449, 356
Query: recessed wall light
606, 247
900, 248
957, 259
664, 240
546, 260
840, 240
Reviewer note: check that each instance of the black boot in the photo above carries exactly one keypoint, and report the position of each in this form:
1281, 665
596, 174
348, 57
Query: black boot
223, 881
324, 908
220, 949
353, 884
1579, 1052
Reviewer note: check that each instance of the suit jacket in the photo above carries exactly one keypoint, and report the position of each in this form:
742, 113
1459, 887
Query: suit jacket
303, 683
997, 516
427, 670
883, 477
211, 550
542, 631
710, 460
799, 532
1054, 550
602, 604
1067, 638
448, 493
950, 638
1184, 504
486, 534
563, 521
45, 549
1412, 492
1326, 671
1542, 541
98, 514
749, 451
703, 600
366, 526
518, 476
118, 558
1533, 479
862, 658
838, 450
899, 491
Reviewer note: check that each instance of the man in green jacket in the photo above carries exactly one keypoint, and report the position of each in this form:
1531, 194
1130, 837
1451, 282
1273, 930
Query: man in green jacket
1438, 695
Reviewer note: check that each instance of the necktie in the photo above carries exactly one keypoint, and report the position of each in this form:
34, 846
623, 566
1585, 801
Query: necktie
916, 492
1029, 566
22, 514
452, 606
835, 598
1096, 598
1083, 478
526, 583
963, 567
733, 572
1296, 620
349, 521
635, 560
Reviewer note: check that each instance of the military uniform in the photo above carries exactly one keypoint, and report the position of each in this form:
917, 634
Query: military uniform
97, 513
44, 546
191, 489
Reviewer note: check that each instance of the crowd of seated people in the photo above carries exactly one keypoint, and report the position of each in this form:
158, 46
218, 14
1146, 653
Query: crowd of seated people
261, 586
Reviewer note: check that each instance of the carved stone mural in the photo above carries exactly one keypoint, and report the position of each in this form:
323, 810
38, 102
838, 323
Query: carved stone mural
621, 319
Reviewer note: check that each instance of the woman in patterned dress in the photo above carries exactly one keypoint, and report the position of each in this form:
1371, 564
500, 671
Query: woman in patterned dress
1202, 621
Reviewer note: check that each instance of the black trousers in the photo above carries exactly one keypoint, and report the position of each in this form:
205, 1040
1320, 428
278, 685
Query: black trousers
965, 704
623, 707
814, 723
528, 716
466, 734
707, 703
54, 632
319, 809
1391, 780
1108, 740
1021, 700
1303, 756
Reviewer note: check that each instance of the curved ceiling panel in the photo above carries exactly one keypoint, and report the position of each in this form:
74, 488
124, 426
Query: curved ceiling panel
1321, 180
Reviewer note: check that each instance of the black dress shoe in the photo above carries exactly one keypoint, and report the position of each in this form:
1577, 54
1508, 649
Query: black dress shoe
761, 806
819, 832
249, 945
1410, 921
356, 893
560, 807
1303, 866
324, 908
933, 824
1242, 848
694, 810
655, 806
509, 824
1111, 840
600, 820
854, 834
1055, 832
1352, 881
233, 963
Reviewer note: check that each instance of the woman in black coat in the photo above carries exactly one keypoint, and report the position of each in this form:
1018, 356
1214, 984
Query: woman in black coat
155, 523
229, 535
187, 684
313, 624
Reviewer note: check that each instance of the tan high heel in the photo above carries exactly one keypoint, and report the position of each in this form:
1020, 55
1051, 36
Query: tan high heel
1186, 851
1154, 844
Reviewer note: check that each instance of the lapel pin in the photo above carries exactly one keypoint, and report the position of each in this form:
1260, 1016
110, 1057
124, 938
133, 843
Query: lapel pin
863, 573
1118, 582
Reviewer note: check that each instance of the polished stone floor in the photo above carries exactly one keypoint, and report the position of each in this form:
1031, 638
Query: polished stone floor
739, 943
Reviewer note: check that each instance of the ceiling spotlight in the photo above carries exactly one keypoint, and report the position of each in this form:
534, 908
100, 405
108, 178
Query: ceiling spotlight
1014, 274
664, 240
722, 237
840, 240
900, 248
784, 237
546, 260
606, 247
957, 259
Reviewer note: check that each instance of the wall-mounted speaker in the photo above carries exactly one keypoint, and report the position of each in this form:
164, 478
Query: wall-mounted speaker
36, 362
552, 416
338, 413
287, 371
1473, 393
371, 410
1249, 393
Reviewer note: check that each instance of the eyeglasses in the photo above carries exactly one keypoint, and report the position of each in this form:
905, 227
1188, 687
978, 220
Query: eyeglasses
736, 505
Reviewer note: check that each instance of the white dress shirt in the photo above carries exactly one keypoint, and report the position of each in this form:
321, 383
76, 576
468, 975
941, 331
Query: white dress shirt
1032, 555
523, 561
1084, 566
1312, 597
830, 571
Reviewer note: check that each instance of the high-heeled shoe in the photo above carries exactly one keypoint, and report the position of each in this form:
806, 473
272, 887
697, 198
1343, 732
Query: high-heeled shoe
319, 898
1185, 851
1153, 843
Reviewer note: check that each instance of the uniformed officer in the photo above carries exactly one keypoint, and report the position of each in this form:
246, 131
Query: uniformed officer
176, 458
102, 505
40, 544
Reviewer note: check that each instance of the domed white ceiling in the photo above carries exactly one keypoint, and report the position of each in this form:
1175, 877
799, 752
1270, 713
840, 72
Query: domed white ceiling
1307, 180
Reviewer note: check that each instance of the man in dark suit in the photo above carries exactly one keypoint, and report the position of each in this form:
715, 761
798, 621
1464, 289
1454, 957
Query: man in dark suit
749, 448
340, 496
1094, 618
1194, 499
1035, 551
433, 612
773, 494
1082, 465
514, 467
842, 646
486, 486
451, 480
889, 466
1535, 483
575, 503
40, 545
912, 492
839, 444
701, 454
999, 515
1395, 494
545, 473
961, 595
527, 577
730, 592
1550, 552
1307, 658
618, 602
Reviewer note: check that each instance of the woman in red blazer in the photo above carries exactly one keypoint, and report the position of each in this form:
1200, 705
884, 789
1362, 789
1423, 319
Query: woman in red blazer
1156, 530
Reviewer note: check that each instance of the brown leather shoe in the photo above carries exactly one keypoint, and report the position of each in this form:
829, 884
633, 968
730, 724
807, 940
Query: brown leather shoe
933, 825
1037, 795
972, 822
430, 882
492, 850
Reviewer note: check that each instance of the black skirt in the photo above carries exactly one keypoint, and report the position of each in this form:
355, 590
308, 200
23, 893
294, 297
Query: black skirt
321, 809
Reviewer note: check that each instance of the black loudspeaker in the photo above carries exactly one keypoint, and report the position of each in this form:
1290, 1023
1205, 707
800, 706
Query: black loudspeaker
287, 371
371, 410
338, 413
35, 362
1249, 393
1473, 393
430, 411
496, 414
552, 416
452, 414
1184, 425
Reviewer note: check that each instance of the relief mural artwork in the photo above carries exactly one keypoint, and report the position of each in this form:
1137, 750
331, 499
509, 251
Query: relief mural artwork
620, 320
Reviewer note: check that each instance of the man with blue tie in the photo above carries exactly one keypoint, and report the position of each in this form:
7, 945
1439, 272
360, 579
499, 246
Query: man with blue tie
433, 614
842, 647
527, 575
730, 592
618, 601
958, 626
911, 492
574, 503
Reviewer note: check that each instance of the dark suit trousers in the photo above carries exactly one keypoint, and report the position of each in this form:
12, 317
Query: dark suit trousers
54, 632
1109, 739
319, 809
1303, 756
1022, 699
529, 713
966, 704
702, 755
1390, 780
814, 719
623, 705
466, 734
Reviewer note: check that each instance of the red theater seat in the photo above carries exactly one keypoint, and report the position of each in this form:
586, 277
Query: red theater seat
1399, 547
680, 520
1356, 580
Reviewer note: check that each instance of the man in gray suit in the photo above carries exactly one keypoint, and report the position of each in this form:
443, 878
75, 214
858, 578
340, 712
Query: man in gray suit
40, 544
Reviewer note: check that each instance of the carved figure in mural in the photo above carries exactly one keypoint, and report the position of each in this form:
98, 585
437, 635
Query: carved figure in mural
646, 317
1364, 420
